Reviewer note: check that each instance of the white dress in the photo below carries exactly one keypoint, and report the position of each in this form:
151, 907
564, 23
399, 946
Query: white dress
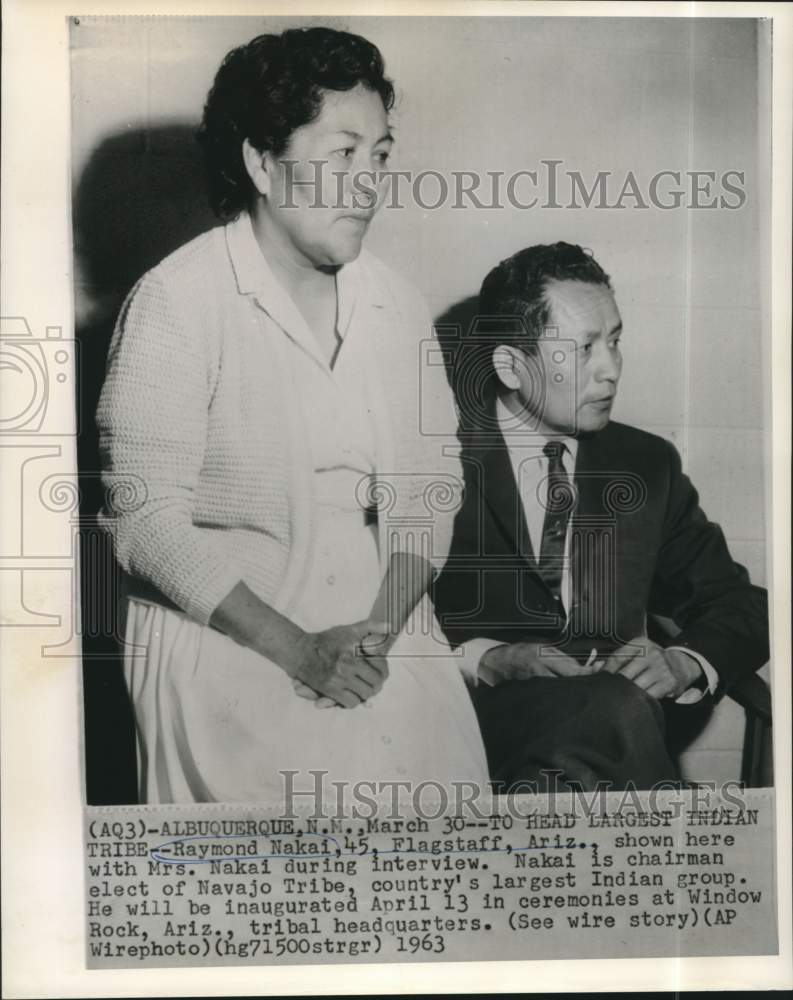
217, 722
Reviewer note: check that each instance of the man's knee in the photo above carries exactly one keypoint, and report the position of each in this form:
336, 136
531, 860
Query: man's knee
625, 701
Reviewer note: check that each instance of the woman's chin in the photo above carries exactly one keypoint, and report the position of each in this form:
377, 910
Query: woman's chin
347, 253
343, 250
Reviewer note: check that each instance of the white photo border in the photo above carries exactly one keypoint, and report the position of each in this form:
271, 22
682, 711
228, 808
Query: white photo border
42, 776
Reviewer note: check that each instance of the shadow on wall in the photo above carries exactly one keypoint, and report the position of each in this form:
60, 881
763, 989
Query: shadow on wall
451, 326
140, 196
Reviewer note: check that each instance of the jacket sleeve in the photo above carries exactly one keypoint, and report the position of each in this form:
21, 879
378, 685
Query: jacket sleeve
152, 420
721, 614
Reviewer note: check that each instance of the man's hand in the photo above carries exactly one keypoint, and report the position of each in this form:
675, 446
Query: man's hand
338, 666
519, 661
662, 673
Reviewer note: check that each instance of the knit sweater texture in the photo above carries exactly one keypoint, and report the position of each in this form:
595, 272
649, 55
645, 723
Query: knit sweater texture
202, 435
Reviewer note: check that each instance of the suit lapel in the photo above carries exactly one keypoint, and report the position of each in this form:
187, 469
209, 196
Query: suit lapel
597, 549
496, 485
501, 495
589, 479
594, 559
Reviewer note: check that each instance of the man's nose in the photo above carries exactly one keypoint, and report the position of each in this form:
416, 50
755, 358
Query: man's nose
609, 366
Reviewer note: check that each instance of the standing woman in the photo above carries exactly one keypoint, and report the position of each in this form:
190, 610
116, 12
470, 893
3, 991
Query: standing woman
263, 386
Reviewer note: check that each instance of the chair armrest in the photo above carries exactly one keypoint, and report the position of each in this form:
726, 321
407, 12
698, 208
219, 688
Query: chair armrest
753, 694
750, 692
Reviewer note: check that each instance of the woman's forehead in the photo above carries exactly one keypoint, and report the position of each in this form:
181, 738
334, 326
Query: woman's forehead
358, 112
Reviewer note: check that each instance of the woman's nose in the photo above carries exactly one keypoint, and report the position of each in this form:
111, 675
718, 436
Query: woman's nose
365, 185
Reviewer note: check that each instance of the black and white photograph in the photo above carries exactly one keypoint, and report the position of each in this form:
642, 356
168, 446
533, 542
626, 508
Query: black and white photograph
255, 316
418, 516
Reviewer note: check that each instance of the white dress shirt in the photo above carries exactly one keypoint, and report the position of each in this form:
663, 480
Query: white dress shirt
530, 468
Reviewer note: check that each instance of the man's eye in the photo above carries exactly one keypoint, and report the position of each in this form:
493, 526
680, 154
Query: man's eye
382, 157
615, 344
585, 349
345, 153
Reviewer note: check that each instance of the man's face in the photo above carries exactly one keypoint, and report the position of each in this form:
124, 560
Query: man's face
324, 192
572, 389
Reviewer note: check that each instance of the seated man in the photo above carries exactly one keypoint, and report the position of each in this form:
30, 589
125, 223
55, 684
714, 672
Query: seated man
573, 530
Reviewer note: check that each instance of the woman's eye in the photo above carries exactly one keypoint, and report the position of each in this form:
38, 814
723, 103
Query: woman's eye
345, 153
382, 157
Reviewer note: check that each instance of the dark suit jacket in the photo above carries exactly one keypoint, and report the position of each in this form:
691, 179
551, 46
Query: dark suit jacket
640, 545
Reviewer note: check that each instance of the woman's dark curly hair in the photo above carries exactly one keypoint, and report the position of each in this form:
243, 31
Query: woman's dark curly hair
266, 89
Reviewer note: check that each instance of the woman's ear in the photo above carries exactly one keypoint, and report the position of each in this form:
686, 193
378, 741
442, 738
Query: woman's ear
505, 364
256, 164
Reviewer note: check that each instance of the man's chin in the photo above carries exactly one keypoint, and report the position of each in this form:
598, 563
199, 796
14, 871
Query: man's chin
586, 428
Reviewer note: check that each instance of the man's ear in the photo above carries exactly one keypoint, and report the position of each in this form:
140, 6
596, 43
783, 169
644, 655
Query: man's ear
258, 166
505, 363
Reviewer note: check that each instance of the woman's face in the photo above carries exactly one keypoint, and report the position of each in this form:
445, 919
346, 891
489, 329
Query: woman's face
324, 190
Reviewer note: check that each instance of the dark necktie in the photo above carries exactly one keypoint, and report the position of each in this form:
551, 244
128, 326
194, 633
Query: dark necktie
560, 500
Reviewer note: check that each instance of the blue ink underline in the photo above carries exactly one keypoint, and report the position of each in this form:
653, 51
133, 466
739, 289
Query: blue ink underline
156, 853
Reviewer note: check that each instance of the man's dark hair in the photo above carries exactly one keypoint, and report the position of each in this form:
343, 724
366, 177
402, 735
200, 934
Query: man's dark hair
516, 289
513, 310
266, 89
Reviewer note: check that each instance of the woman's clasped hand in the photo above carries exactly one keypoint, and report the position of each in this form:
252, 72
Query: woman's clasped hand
345, 665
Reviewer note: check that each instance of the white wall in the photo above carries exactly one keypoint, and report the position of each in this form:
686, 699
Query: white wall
505, 94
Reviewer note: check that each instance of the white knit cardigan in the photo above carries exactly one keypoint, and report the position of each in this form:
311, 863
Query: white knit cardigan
200, 420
